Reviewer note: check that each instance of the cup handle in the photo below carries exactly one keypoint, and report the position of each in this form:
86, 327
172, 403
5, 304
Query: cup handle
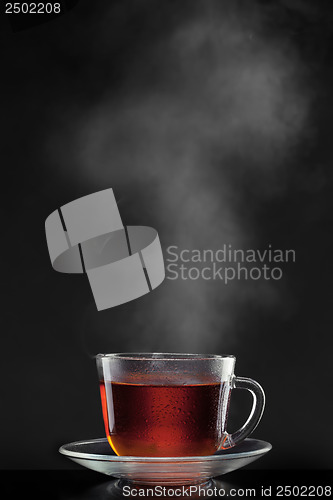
258, 406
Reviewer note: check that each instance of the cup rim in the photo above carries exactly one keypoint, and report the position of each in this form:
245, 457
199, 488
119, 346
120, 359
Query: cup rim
163, 356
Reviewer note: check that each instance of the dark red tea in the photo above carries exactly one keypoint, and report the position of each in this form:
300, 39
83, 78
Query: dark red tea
162, 420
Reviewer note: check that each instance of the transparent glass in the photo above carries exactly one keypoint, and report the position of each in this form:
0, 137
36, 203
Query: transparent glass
172, 405
97, 455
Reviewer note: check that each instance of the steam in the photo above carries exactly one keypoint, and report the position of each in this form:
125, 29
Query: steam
193, 151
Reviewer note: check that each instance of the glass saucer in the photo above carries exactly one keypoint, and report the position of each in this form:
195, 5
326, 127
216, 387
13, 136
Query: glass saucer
96, 454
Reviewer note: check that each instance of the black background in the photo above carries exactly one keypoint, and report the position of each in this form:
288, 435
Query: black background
212, 122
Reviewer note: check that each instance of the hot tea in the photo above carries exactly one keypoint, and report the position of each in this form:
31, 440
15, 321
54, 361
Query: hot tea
162, 420
172, 405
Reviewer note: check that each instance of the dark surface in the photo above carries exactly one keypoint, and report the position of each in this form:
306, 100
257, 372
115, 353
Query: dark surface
70, 485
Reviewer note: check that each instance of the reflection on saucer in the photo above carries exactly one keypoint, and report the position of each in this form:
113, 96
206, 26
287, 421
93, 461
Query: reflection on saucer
120, 489
97, 455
